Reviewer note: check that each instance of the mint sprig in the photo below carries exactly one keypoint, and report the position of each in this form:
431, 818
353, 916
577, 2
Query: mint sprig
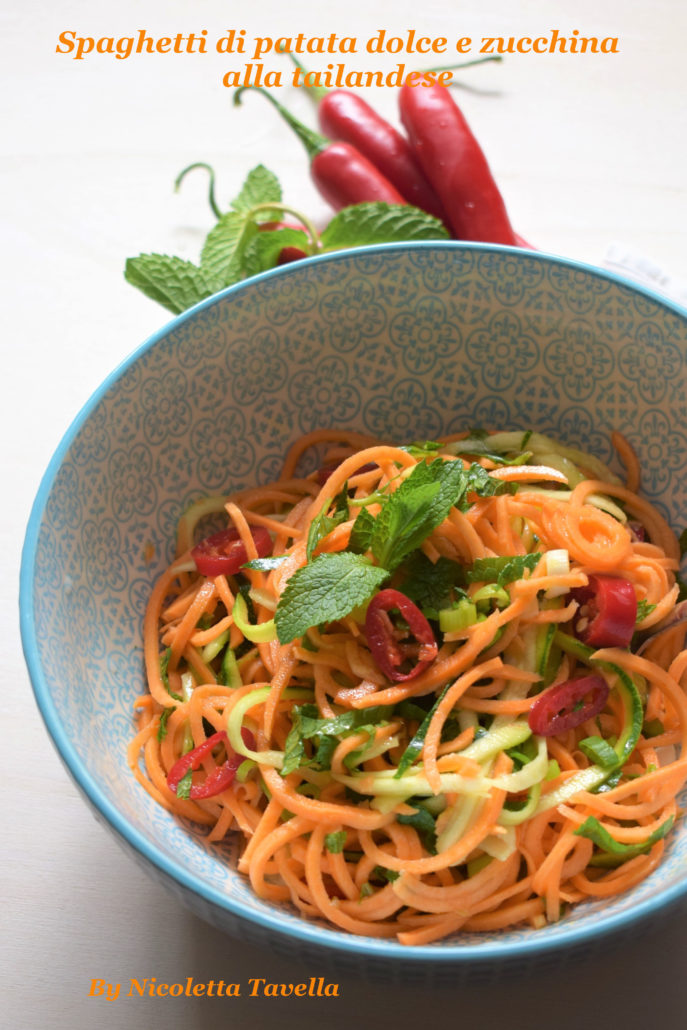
326, 589
261, 186
171, 281
419, 505
237, 248
375, 222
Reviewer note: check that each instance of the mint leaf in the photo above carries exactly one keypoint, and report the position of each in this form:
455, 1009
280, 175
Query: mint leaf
481, 483
323, 524
306, 724
361, 533
334, 842
260, 187
222, 254
616, 853
171, 281
262, 253
424, 449
419, 505
425, 826
324, 590
502, 570
430, 584
478, 447
377, 222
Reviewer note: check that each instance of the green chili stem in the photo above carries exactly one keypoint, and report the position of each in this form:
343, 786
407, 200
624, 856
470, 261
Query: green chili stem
211, 191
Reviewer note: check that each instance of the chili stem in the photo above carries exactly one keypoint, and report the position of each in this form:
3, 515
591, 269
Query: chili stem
309, 227
211, 190
313, 142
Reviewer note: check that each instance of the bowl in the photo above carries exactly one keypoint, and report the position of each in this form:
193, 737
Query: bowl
401, 341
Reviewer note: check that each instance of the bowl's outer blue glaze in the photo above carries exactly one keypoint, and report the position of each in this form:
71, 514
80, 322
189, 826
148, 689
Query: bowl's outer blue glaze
405, 342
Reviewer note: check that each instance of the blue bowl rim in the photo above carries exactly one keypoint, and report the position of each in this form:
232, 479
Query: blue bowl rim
311, 933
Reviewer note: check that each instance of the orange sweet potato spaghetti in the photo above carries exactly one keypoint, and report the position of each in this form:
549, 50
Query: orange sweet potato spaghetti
434, 688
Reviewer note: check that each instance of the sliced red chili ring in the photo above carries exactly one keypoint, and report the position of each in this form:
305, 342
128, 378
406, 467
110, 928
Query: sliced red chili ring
218, 780
608, 612
223, 553
386, 643
568, 705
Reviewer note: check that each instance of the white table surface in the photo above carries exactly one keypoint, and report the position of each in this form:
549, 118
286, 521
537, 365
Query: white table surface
587, 149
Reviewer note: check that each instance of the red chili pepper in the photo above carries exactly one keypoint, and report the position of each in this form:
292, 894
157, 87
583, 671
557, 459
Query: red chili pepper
385, 642
455, 165
218, 780
345, 116
341, 173
607, 615
568, 705
223, 553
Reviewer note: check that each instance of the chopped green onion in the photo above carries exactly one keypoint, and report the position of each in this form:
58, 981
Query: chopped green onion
557, 564
452, 620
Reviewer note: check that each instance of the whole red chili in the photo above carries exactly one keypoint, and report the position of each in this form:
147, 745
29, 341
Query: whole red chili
455, 165
341, 173
607, 615
345, 116
218, 780
568, 705
386, 642
223, 553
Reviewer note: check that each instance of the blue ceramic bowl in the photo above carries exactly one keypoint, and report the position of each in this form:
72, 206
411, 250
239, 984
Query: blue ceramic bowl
405, 342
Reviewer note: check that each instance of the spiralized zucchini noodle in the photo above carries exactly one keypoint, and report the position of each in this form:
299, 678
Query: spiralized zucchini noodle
434, 688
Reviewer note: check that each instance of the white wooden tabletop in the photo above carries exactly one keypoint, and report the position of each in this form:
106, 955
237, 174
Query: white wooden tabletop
589, 150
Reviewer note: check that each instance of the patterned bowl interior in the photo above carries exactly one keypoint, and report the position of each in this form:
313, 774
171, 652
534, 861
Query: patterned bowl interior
404, 342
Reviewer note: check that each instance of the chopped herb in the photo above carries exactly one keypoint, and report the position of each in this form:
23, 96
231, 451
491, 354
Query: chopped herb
380, 873
184, 786
644, 609
424, 824
162, 728
426, 449
306, 725
334, 842
502, 570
